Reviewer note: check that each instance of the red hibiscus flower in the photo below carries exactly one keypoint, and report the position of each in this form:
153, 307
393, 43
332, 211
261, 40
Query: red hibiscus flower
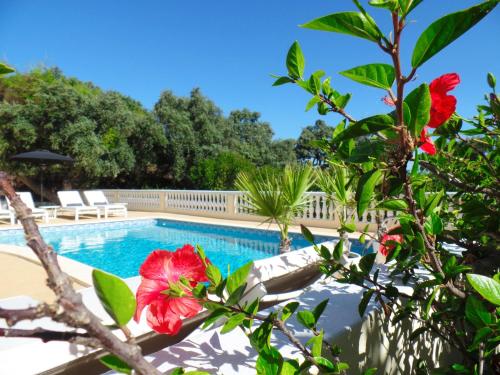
160, 269
443, 105
427, 145
386, 249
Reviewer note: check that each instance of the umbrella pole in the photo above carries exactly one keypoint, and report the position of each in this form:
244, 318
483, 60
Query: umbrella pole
41, 182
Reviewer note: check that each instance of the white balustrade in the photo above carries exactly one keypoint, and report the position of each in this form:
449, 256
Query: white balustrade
319, 211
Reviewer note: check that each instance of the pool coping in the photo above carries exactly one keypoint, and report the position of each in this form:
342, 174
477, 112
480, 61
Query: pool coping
191, 219
83, 272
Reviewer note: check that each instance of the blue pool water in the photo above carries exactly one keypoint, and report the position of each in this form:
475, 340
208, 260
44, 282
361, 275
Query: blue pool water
121, 247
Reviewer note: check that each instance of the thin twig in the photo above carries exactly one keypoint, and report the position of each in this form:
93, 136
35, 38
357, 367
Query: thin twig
455, 181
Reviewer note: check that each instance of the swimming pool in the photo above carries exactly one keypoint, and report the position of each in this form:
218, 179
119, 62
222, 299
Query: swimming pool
121, 247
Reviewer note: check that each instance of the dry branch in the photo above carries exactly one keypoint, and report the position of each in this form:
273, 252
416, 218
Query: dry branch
73, 312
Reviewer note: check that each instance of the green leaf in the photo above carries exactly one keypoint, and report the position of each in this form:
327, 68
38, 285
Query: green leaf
236, 295
319, 309
315, 82
325, 252
429, 302
349, 227
393, 204
282, 80
316, 344
238, 278
311, 103
377, 75
476, 312
370, 371
338, 250
326, 363
326, 89
306, 318
232, 323
214, 316
115, 363
492, 81
5, 69
369, 125
366, 187
200, 290
307, 233
295, 62
269, 362
446, 29
115, 296
419, 102
341, 100
387, 4
406, 113
433, 224
408, 5
213, 274
288, 310
479, 337
351, 23
432, 201
290, 367
366, 263
487, 287
261, 336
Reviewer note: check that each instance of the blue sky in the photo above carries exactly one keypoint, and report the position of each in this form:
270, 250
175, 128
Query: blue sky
228, 49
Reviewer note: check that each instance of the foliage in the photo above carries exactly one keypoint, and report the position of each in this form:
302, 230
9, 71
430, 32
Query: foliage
278, 197
455, 296
110, 136
220, 172
130, 146
306, 149
380, 152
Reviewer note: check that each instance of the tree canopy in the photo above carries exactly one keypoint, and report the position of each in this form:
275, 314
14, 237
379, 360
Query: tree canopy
183, 142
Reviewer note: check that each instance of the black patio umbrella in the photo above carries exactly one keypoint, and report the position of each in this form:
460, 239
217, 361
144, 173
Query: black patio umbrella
42, 158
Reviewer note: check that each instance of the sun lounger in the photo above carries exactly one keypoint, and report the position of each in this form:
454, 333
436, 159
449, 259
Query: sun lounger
7, 214
71, 202
5, 211
98, 199
27, 199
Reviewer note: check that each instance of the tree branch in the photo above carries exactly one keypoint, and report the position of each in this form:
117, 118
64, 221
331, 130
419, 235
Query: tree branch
74, 313
48, 335
449, 178
12, 316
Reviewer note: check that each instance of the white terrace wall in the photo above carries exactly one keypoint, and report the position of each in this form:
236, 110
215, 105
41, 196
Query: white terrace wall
230, 205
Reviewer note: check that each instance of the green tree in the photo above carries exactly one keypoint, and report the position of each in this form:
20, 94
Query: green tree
250, 137
306, 150
107, 134
220, 172
283, 152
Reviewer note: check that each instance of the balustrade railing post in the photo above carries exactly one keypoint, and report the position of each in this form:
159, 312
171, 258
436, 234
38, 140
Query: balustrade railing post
231, 204
163, 199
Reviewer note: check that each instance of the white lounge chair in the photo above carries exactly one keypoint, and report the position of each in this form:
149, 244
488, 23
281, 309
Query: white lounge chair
98, 199
6, 212
27, 199
71, 202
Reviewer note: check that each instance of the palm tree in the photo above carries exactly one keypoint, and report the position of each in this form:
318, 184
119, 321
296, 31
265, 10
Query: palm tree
338, 187
278, 197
